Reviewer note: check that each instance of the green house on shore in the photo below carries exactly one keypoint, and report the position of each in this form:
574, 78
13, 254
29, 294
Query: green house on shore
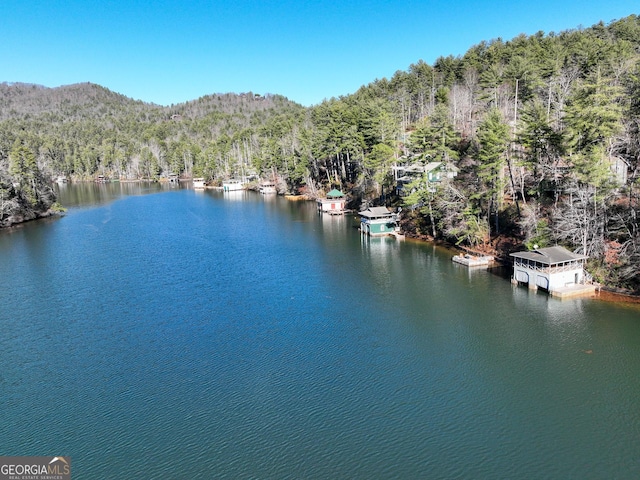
378, 221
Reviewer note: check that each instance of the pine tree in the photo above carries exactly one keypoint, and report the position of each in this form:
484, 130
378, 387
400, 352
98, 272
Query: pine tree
493, 139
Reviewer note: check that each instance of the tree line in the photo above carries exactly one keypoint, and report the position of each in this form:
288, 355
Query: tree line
543, 130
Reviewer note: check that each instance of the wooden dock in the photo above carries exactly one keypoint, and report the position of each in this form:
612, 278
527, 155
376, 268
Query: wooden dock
572, 291
472, 260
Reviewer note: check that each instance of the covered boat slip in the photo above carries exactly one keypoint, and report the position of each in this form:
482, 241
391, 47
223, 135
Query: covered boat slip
232, 185
554, 269
376, 221
334, 203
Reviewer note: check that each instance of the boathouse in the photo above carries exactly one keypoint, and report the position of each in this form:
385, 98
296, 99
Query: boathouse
376, 221
232, 185
554, 269
334, 203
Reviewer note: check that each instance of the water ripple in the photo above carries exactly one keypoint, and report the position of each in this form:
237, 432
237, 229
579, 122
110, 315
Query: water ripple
209, 350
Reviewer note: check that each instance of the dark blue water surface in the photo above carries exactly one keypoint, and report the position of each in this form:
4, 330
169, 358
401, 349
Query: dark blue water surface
157, 333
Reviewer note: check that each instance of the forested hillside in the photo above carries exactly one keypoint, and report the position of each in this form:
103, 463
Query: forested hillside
84, 130
543, 132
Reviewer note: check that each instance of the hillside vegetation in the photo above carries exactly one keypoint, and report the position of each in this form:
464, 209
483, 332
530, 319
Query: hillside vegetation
543, 132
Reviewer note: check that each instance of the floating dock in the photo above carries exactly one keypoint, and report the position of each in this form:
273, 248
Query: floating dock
473, 260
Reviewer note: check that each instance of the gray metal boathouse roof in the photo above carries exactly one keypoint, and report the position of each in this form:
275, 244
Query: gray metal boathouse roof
376, 212
550, 255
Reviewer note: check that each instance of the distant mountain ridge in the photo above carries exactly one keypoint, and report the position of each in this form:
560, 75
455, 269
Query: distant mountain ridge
20, 100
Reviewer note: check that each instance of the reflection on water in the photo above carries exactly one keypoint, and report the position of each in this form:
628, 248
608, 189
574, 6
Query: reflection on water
87, 194
235, 195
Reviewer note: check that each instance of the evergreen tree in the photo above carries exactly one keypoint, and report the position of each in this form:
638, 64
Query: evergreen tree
493, 140
32, 189
593, 118
542, 146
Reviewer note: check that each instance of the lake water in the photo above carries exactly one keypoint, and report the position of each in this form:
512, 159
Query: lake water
157, 333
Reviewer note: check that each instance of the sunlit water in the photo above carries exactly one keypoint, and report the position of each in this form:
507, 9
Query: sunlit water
157, 333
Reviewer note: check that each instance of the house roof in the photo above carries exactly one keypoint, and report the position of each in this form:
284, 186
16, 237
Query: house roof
415, 167
432, 166
445, 166
550, 255
335, 193
376, 212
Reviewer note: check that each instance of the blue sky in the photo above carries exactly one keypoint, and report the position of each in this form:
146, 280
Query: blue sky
170, 51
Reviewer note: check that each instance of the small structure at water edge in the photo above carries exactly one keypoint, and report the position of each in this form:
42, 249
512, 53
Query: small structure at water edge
267, 188
554, 269
232, 185
199, 183
334, 203
378, 221
470, 260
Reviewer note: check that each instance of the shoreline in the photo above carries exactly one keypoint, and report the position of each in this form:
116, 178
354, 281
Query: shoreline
13, 223
604, 293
